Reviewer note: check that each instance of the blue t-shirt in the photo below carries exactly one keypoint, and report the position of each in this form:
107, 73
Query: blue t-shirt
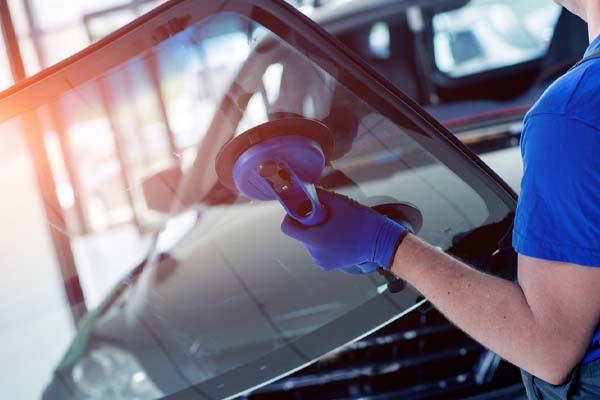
558, 214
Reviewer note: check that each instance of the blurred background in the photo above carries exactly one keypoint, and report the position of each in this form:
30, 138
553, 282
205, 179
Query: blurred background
75, 215
81, 224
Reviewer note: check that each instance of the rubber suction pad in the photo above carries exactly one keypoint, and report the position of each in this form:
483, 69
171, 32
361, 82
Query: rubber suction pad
269, 170
317, 133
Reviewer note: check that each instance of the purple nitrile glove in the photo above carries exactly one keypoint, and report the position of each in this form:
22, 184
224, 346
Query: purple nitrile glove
353, 238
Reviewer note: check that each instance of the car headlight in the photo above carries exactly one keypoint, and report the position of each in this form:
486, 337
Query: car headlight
109, 373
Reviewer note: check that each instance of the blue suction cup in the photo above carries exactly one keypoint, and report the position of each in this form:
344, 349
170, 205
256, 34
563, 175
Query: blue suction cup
283, 169
279, 160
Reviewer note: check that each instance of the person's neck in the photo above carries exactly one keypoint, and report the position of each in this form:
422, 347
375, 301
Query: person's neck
593, 19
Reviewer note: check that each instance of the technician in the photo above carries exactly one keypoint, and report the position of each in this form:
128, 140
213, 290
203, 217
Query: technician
548, 323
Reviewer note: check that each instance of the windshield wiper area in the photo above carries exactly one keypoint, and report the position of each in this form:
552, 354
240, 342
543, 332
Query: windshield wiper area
488, 248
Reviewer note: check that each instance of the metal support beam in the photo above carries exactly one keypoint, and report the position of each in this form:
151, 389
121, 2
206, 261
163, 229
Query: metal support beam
33, 133
153, 67
57, 121
34, 32
136, 119
118, 137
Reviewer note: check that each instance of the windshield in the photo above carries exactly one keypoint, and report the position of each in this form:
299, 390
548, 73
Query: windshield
225, 302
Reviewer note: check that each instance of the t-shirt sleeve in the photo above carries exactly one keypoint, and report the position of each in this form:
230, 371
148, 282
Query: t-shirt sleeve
558, 213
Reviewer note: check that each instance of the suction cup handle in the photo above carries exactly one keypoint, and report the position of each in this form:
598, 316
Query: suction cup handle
298, 198
318, 213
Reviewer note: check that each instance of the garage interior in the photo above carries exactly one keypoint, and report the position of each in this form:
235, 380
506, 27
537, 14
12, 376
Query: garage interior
75, 213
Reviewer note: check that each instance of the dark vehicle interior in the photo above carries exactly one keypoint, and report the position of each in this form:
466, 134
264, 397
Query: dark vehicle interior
409, 62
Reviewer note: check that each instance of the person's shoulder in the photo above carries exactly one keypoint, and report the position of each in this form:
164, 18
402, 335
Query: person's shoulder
565, 123
575, 95
584, 103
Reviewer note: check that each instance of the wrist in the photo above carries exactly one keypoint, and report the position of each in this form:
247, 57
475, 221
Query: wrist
387, 240
408, 257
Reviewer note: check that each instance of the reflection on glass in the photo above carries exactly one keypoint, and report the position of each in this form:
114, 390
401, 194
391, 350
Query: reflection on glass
231, 303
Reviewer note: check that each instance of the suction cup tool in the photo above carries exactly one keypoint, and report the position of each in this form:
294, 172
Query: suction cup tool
279, 160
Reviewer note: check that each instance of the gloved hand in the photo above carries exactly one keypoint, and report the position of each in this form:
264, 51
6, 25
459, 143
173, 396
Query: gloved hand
353, 238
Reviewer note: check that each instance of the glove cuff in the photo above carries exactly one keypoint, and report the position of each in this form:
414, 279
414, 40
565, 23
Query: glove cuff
387, 240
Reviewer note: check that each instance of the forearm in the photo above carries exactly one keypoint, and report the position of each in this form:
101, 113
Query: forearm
492, 310
543, 326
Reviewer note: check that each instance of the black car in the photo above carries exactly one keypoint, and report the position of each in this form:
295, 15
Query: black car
225, 305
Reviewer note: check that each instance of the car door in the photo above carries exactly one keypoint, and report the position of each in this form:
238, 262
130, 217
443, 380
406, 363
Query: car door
225, 302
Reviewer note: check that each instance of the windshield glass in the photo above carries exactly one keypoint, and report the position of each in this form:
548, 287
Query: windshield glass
224, 302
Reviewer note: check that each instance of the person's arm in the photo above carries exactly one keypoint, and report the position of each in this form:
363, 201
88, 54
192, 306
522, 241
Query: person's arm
543, 325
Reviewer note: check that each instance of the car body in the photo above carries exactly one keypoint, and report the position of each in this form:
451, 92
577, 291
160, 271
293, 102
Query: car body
225, 304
